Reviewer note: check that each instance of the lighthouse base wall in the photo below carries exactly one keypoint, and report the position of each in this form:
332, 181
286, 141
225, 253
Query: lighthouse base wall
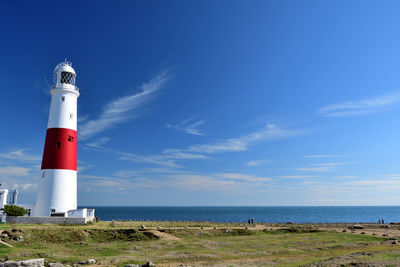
57, 192
48, 220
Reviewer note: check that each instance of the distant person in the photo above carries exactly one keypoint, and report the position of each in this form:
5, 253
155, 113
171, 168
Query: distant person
379, 221
252, 221
248, 221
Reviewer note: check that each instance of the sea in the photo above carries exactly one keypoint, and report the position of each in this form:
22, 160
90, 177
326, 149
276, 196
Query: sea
295, 214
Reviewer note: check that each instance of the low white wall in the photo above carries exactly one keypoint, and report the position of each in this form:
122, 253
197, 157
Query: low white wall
47, 220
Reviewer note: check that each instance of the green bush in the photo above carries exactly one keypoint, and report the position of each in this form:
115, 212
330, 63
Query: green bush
14, 210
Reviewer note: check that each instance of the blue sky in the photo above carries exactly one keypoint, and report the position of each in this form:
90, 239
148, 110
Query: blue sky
209, 102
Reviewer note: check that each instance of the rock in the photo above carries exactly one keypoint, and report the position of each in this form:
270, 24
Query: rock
142, 226
385, 235
290, 223
394, 242
159, 227
32, 263
229, 230
28, 263
201, 227
10, 264
392, 238
344, 231
247, 228
90, 261
373, 233
215, 228
187, 227
18, 238
363, 233
385, 226
149, 264
56, 264
358, 226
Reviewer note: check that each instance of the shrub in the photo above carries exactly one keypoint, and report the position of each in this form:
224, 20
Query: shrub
14, 210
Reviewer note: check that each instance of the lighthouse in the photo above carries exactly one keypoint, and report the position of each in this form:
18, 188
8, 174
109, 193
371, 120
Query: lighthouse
58, 183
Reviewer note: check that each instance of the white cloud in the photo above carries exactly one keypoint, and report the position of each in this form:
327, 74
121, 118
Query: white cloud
243, 177
161, 178
21, 155
373, 183
154, 159
181, 154
199, 182
321, 167
361, 107
123, 108
13, 171
26, 186
268, 133
255, 163
345, 177
299, 176
189, 126
323, 156
169, 157
99, 142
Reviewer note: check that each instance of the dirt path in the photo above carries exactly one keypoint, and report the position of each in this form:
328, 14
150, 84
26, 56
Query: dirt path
165, 236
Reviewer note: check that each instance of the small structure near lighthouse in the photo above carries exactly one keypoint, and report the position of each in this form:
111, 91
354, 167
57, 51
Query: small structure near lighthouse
57, 195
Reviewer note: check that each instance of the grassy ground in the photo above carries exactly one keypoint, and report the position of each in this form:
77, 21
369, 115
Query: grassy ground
197, 244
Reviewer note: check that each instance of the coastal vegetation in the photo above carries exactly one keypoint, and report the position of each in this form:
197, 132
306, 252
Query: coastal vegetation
14, 210
200, 243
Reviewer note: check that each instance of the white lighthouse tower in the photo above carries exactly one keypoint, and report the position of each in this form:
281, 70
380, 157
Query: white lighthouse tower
58, 186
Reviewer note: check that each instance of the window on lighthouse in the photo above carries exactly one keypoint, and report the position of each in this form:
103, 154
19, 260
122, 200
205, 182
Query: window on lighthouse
67, 77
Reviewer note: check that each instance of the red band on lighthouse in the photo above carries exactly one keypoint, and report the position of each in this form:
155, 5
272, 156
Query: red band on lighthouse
60, 149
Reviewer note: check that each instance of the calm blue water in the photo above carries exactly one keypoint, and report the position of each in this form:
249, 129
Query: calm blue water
261, 214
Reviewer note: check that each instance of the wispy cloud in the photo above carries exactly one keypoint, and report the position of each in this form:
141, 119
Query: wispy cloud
323, 156
255, 163
169, 157
165, 178
268, 133
321, 167
197, 182
20, 155
153, 159
25, 186
298, 176
189, 126
99, 142
13, 171
244, 177
361, 107
123, 108
373, 183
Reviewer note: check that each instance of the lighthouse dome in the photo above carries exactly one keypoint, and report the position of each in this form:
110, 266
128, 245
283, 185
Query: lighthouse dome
64, 75
64, 66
